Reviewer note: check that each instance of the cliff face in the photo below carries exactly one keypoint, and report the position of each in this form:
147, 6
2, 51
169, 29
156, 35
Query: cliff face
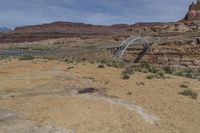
193, 13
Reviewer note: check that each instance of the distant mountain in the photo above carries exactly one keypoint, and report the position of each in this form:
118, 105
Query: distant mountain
4, 29
70, 27
60, 29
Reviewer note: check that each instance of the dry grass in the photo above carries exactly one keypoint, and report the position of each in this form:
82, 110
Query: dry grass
159, 96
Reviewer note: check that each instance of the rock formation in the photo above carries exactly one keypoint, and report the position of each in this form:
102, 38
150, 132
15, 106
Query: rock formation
59, 30
194, 12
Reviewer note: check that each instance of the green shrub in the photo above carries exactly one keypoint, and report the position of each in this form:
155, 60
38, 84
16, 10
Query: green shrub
83, 59
161, 74
137, 68
69, 61
179, 73
117, 64
190, 93
153, 69
26, 58
125, 75
184, 85
70, 68
189, 71
146, 66
198, 70
188, 75
92, 62
101, 66
129, 93
168, 70
150, 76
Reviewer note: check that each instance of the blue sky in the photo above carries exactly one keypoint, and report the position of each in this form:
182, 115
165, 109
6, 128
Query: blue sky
106, 12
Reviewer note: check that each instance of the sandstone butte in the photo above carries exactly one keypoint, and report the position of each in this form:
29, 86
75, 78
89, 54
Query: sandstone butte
193, 13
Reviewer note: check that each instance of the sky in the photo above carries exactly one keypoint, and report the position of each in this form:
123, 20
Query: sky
101, 12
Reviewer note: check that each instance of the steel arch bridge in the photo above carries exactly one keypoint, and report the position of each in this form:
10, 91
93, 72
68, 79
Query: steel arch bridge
117, 50
120, 49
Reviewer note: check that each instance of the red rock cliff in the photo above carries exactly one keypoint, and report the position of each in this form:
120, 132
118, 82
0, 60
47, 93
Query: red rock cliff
194, 12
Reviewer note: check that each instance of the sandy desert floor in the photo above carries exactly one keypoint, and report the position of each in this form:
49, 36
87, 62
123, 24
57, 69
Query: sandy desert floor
45, 92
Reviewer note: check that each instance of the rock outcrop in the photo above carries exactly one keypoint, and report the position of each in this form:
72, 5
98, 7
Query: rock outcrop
194, 12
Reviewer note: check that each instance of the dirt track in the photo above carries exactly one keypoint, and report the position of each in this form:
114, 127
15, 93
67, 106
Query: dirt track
45, 92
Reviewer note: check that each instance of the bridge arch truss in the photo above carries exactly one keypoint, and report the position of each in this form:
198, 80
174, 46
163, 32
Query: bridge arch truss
119, 50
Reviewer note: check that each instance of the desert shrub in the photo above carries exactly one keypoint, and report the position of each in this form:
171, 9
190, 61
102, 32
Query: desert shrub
103, 61
179, 73
92, 62
188, 70
188, 75
70, 68
129, 93
190, 93
83, 59
198, 70
125, 75
101, 66
137, 68
87, 90
150, 76
161, 74
153, 69
129, 70
117, 64
168, 70
184, 85
146, 65
109, 64
140, 83
26, 58
145, 71
196, 75
69, 61
121, 64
